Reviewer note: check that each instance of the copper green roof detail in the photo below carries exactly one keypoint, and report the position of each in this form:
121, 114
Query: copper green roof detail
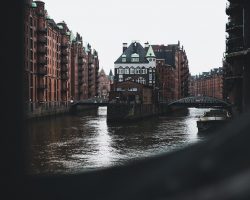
33, 5
60, 26
150, 52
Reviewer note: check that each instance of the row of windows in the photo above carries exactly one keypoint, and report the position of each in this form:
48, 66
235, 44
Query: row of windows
140, 80
136, 59
132, 60
134, 71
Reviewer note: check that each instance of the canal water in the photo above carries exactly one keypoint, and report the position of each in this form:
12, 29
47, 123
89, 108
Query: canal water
76, 143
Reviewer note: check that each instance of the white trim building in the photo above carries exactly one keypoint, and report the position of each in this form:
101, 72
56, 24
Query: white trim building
136, 63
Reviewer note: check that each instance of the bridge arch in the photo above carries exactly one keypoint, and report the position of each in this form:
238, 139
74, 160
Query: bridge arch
201, 102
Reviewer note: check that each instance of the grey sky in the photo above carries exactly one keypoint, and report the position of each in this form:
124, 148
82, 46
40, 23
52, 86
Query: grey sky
106, 24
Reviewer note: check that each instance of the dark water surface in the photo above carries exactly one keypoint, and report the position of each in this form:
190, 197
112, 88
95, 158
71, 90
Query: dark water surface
74, 143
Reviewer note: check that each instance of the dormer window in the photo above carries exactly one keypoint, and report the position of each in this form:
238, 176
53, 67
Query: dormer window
135, 57
124, 58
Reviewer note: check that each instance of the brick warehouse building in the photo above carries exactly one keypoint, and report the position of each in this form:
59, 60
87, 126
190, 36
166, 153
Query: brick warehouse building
207, 84
172, 70
237, 56
57, 66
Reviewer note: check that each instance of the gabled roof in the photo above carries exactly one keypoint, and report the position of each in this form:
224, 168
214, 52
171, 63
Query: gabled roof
134, 47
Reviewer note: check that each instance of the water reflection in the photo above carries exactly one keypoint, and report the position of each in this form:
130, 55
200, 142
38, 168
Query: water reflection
71, 144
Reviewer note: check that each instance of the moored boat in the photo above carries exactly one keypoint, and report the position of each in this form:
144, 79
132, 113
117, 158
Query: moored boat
213, 120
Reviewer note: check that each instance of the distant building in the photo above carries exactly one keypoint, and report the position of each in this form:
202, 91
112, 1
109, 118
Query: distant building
111, 77
136, 63
134, 75
164, 68
172, 71
207, 84
93, 70
79, 86
104, 85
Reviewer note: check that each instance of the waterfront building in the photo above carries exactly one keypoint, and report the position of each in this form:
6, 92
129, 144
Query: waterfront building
58, 67
172, 71
134, 74
79, 73
93, 70
30, 69
42, 59
104, 85
132, 92
65, 66
136, 63
207, 84
237, 55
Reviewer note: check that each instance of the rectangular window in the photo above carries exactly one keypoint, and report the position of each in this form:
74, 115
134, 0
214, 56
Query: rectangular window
126, 71
121, 71
132, 71
135, 59
132, 89
150, 77
137, 71
123, 59
31, 55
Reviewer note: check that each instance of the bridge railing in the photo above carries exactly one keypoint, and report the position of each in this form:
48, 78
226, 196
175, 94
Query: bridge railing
200, 100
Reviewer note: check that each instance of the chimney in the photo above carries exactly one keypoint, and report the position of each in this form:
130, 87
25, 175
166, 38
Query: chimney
146, 44
125, 46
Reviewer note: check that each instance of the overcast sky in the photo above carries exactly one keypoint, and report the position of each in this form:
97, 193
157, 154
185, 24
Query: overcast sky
199, 25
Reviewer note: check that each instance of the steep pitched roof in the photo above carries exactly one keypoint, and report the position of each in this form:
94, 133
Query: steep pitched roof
150, 52
134, 47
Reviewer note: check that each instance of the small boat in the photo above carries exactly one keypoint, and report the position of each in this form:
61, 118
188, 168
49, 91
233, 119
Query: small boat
213, 120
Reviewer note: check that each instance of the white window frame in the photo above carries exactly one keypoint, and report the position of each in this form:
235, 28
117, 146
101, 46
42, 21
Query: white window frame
126, 70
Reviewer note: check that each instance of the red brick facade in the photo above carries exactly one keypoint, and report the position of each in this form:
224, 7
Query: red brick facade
207, 84
172, 71
57, 67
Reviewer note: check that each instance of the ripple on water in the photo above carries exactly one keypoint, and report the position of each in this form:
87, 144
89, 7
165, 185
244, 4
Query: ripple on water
78, 143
